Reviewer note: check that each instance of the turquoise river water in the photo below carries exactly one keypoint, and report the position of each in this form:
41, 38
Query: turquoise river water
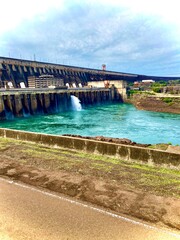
110, 120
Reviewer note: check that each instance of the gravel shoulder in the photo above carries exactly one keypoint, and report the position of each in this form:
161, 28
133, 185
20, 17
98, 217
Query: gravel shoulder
146, 192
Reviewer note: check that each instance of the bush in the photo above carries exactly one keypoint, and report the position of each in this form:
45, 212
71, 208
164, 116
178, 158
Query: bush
131, 92
156, 89
167, 100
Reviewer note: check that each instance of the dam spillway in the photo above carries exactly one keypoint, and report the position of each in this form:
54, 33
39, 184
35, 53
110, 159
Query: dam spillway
23, 102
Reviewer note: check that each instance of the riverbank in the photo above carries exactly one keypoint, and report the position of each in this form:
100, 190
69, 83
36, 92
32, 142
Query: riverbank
160, 102
149, 193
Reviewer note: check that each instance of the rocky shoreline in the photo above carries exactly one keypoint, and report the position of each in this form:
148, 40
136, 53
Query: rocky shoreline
124, 141
156, 103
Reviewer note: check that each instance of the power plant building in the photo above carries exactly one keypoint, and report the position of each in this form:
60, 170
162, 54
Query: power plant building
44, 81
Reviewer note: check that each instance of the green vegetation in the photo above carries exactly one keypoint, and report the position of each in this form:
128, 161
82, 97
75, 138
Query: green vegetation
159, 84
168, 100
161, 146
157, 87
174, 82
131, 92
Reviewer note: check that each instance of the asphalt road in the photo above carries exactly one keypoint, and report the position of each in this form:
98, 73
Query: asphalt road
30, 213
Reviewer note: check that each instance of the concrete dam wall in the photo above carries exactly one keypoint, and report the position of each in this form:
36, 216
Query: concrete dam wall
24, 102
18, 71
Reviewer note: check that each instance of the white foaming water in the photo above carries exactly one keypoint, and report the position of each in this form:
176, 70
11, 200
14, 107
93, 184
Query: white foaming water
76, 103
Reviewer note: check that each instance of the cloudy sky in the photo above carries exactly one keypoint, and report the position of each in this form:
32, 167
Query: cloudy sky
135, 36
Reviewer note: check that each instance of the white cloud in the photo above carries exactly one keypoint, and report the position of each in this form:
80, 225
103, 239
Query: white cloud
127, 35
16, 12
168, 9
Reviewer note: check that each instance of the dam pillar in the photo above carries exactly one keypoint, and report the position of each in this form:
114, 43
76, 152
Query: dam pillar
47, 102
2, 109
66, 101
8, 104
40, 101
18, 106
112, 92
53, 102
34, 105
60, 101
89, 98
98, 97
92, 97
103, 96
26, 103
81, 98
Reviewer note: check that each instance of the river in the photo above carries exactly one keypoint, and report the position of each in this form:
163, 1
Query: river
110, 120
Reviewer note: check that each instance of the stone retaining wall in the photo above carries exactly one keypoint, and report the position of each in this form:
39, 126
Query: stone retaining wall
125, 152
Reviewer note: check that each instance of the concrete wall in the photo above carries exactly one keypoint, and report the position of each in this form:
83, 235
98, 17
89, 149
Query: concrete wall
119, 87
123, 152
18, 70
18, 103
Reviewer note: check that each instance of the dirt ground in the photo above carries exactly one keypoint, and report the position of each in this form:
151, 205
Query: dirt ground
150, 193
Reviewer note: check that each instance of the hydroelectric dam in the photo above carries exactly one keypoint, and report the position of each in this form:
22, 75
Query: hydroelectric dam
31, 87
18, 71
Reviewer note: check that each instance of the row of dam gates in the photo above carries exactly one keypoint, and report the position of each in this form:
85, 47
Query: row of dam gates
27, 102
19, 71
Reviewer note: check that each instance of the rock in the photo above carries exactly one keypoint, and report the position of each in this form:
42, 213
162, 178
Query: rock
25, 178
4, 169
173, 149
125, 141
12, 172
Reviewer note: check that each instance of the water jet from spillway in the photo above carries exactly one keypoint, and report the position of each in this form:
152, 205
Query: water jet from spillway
76, 103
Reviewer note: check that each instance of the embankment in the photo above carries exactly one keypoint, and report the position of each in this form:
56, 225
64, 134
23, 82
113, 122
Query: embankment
137, 190
122, 151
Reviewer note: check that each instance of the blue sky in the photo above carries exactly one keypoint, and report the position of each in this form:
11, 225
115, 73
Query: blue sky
134, 36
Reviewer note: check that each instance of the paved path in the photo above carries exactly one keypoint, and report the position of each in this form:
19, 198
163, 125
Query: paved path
29, 213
